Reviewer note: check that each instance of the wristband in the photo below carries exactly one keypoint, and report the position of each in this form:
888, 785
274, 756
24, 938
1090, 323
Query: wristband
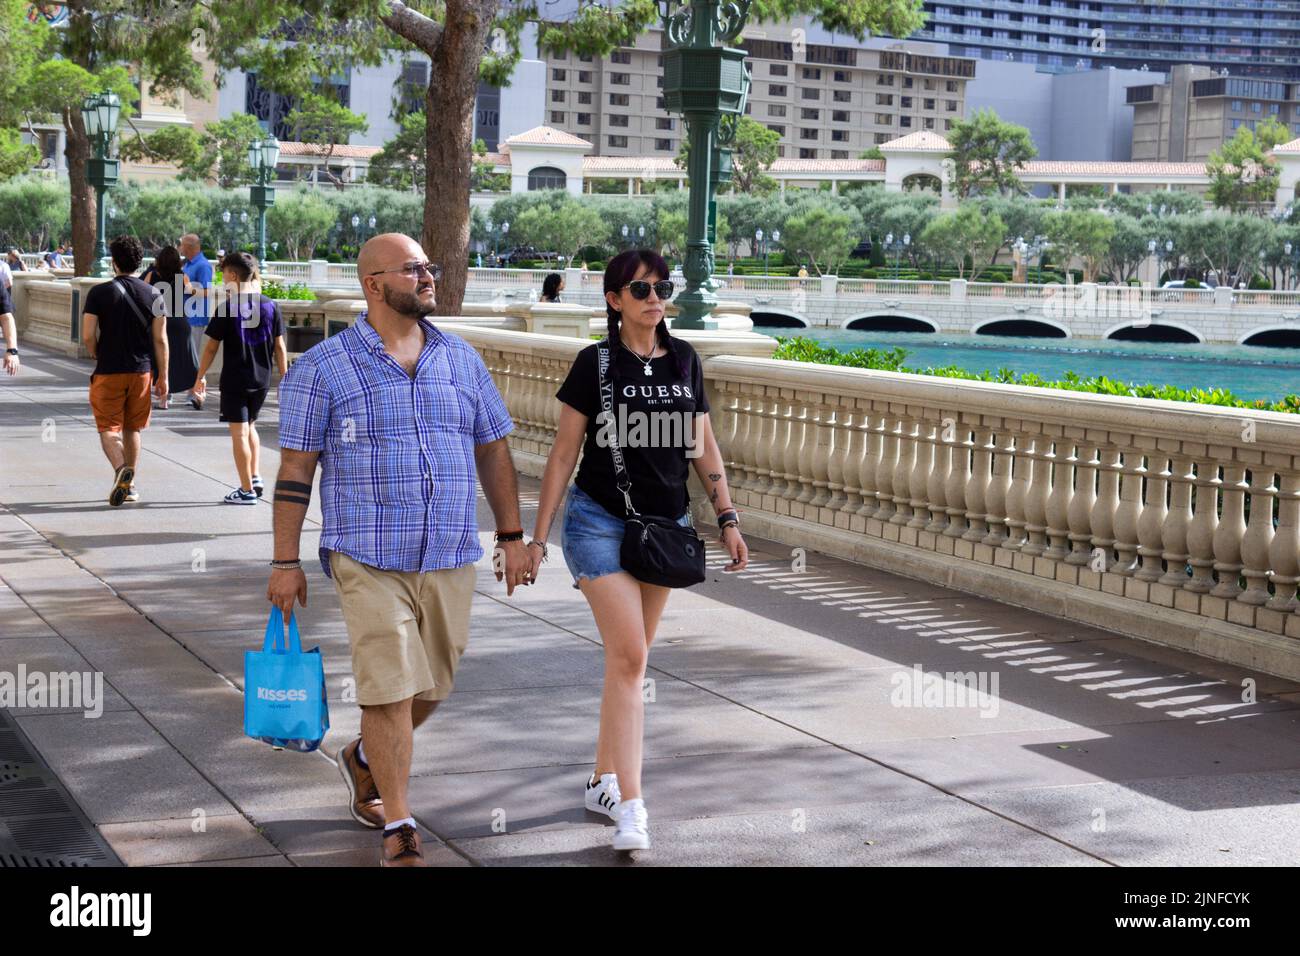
731, 514
510, 535
541, 544
286, 565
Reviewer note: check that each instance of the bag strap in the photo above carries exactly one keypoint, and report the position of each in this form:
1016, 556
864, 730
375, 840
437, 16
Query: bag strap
607, 410
131, 303
274, 641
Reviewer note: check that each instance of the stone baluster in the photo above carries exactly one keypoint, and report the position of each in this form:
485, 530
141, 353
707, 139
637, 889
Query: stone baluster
922, 467
958, 481
903, 471
1228, 535
801, 467
1150, 528
891, 427
1082, 503
792, 445
999, 485
936, 485
871, 442
1284, 549
853, 438
1178, 522
1022, 475
1059, 500
977, 490
1130, 506
1037, 488
1103, 511
1205, 525
532, 391
841, 429
1258, 537
822, 431
762, 431
743, 449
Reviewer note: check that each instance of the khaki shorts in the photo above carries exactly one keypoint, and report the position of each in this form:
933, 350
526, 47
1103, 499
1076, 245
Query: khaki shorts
407, 629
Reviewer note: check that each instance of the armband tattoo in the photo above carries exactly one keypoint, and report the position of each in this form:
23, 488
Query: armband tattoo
293, 492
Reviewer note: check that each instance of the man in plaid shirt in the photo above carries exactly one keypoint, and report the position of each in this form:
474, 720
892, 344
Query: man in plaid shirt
402, 417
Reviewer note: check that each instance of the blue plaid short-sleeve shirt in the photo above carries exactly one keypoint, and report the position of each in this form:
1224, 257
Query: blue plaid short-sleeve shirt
398, 474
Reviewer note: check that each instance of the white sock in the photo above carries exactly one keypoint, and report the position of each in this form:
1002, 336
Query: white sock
361, 754
388, 827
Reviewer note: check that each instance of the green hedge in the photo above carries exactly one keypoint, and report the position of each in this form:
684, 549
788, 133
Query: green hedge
800, 349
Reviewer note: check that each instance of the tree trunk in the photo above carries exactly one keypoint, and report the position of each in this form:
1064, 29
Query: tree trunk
449, 144
77, 153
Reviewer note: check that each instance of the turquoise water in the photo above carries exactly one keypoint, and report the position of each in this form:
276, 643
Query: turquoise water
1250, 372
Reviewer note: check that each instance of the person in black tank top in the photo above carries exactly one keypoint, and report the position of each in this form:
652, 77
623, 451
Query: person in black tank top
661, 422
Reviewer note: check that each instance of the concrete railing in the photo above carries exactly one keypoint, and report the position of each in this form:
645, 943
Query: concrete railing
1172, 522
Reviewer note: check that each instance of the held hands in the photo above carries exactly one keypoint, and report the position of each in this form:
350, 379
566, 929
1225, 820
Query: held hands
735, 545
285, 585
511, 562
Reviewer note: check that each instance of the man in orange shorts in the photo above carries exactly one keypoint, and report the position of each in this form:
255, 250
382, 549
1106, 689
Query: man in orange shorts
124, 328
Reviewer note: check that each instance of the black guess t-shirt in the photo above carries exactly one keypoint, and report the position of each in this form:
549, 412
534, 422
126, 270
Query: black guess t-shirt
653, 421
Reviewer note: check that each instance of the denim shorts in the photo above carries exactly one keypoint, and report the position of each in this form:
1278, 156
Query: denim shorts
592, 537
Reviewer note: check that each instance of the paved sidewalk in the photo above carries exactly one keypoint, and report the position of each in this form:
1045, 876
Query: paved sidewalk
778, 731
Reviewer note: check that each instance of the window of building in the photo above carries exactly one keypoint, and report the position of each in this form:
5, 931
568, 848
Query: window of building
929, 122
839, 136
618, 142
805, 133
950, 86
776, 89
619, 79
907, 82
557, 116
560, 55
557, 96
906, 102
659, 102
882, 138
839, 116
1256, 107
839, 154
619, 99
661, 61
884, 79
779, 130
842, 76
947, 124
664, 144
927, 84
1273, 108
778, 69
810, 114
584, 97
884, 119
584, 76
780, 152
811, 93
807, 154
584, 119
558, 75
620, 56
618, 119
1235, 106
884, 99
927, 104
950, 105
584, 58
547, 177
812, 73
663, 122
659, 81
832, 55
775, 109
905, 122
841, 96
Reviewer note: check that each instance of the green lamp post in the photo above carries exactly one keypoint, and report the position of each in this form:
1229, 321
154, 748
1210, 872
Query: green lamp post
707, 82
263, 155
99, 114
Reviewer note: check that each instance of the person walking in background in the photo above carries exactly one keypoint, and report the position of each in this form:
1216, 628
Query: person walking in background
198, 297
15, 261
248, 323
123, 328
166, 276
10, 329
651, 373
402, 416
552, 286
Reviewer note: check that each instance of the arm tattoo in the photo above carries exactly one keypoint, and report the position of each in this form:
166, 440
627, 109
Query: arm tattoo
293, 492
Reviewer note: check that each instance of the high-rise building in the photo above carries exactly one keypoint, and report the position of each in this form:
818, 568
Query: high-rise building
827, 101
1254, 38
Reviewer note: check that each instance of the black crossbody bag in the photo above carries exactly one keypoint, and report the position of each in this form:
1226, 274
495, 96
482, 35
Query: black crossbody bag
655, 549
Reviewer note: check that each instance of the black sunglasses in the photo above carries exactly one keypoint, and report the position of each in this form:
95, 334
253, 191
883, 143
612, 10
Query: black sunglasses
640, 289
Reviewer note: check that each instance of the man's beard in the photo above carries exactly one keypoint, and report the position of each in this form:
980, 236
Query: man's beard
408, 303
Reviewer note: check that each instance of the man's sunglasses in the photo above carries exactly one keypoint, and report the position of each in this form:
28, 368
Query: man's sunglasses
413, 269
640, 289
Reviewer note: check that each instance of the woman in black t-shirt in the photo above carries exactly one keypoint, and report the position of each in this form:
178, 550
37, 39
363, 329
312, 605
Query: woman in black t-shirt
661, 422
165, 275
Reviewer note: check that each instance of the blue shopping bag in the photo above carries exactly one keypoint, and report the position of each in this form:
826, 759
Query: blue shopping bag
284, 690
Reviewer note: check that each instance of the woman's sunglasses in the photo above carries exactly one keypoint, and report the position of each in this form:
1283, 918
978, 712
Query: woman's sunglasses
640, 289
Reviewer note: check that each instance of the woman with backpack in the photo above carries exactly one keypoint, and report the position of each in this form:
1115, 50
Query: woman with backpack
628, 511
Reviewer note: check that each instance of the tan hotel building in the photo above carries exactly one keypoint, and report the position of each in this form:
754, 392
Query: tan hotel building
827, 102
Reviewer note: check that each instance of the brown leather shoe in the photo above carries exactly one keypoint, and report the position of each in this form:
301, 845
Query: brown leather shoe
402, 847
365, 806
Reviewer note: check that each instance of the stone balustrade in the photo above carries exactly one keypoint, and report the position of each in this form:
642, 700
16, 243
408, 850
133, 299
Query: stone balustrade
1172, 522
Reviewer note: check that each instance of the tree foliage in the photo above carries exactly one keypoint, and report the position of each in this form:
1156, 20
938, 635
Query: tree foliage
987, 155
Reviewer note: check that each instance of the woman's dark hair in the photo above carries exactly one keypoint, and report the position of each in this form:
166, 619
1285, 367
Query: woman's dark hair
240, 263
551, 286
620, 271
166, 264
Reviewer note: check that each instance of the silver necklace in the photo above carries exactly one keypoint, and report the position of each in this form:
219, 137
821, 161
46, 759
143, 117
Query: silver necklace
645, 362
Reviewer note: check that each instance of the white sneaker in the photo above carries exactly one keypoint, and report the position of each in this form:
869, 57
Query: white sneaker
240, 497
631, 832
602, 796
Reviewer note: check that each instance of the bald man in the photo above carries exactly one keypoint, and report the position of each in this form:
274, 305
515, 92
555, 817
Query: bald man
402, 417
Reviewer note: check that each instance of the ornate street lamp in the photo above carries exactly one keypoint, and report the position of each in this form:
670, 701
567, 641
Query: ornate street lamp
263, 156
99, 115
705, 80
